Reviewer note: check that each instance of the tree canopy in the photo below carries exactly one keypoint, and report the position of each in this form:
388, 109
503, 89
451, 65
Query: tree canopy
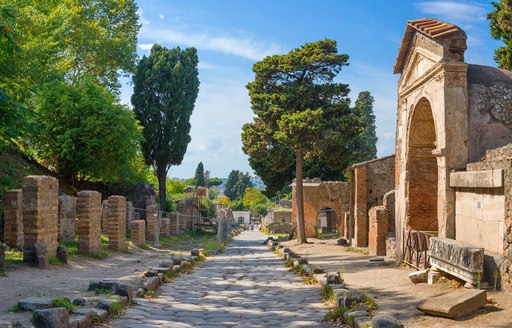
166, 86
199, 175
236, 184
295, 93
501, 29
364, 144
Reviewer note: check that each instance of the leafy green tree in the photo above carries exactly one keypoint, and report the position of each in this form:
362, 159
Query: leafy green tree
501, 29
73, 38
166, 85
364, 145
236, 184
253, 196
199, 176
213, 182
84, 132
301, 113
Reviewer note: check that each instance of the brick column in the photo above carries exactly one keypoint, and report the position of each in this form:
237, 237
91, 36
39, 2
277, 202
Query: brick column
117, 222
13, 218
104, 217
89, 222
165, 227
378, 230
67, 217
360, 211
138, 228
152, 221
40, 214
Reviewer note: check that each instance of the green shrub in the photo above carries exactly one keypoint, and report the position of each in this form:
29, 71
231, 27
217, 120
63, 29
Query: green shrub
333, 314
64, 302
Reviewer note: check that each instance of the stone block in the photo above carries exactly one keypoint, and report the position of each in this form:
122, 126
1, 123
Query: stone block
351, 297
138, 230
477, 179
123, 290
334, 278
151, 283
300, 261
117, 223
152, 222
62, 254
363, 322
67, 218
103, 284
106, 304
35, 303
455, 304
339, 295
419, 276
385, 321
41, 255
196, 251
341, 241
165, 227
351, 315
459, 259
51, 318
94, 312
80, 321
13, 218
378, 230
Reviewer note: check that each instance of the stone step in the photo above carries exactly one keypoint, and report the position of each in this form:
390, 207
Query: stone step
455, 304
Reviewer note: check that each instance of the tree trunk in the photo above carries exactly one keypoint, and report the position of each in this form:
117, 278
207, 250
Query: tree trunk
299, 190
161, 174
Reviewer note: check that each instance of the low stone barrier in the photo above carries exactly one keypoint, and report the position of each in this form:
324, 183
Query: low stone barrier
457, 258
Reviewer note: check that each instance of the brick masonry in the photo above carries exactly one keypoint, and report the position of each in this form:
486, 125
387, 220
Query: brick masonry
117, 222
378, 230
13, 218
40, 215
165, 227
104, 217
89, 222
152, 222
67, 218
138, 229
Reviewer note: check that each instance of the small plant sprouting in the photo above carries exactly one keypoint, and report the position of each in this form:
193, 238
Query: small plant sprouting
14, 308
150, 294
333, 314
3, 274
64, 302
99, 291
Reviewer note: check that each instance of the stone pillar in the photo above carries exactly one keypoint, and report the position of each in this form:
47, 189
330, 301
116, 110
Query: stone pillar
40, 215
138, 229
130, 214
67, 217
165, 227
89, 222
152, 222
104, 217
378, 230
117, 222
360, 211
13, 218
346, 225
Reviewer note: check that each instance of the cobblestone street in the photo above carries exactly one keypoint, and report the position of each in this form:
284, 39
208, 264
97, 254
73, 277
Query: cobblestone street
246, 286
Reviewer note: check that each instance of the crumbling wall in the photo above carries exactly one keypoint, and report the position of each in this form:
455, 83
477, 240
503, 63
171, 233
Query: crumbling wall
13, 218
67, 218
89, 222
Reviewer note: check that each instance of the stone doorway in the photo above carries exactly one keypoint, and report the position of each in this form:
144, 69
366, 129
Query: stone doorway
326, 220
422, 184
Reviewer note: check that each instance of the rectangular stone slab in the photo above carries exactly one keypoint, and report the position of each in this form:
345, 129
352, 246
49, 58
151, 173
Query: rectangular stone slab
455, 304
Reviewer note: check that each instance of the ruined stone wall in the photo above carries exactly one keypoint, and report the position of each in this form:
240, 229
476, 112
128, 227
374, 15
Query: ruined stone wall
138, 229
40, 215
282, 216
320, 195
67, 218
13, 218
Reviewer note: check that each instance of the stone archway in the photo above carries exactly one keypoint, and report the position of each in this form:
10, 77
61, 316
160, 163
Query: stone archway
422, 169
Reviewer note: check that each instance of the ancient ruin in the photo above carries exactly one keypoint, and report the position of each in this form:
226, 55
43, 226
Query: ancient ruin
117, 222
89, 222
67, 218
13, 218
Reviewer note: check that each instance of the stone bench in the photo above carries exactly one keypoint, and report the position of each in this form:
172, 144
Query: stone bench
457, 258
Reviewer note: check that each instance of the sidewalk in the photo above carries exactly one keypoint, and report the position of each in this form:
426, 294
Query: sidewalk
393, 291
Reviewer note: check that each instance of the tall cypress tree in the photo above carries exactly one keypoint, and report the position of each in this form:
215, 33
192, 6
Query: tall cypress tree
365, 143
166, 85
199, 176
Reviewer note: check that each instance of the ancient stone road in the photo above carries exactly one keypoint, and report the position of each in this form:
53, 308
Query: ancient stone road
246, 286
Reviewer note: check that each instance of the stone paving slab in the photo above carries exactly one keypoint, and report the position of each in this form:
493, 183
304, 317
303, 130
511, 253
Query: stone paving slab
246, 286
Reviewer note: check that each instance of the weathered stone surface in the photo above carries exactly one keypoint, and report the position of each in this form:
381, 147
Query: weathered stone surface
151, 273
477, 179
13, 218
419, 276
140, 292
67, 217
353, 314
51, 318
106, 304
308, 270
321, 278
89, 213
386, 321
196, 251
41, 252
62, 254
342, 241
94, 312
351, 297
334, 278
151, 283
300, 261
339, 296
363, 322
123, 290
35, 303
80, 321
138, 230
317, 269
455, 304
80, 301
102, 284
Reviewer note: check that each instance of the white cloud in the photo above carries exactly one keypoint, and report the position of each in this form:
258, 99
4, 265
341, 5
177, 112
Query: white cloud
206, 65
143, 20
453, 11
243, 46
161, 16
145, 46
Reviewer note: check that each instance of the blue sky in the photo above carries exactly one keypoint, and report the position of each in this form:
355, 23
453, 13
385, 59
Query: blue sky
231, 35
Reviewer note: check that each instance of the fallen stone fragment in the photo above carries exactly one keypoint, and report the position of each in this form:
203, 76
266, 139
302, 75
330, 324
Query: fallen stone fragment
80, 321
455, 304
151, 283
386, 321
62, 254
41, 251
308, 270
102, 284
35, 303
300, 261
341, 241
353, 314
353, 296
80, 301
196, 251
151, 273
94, 312
106, 304
51, 318
140, 292
317, 269
334, 278
363, 322
339, 296
321, 278
176, 268
419, 276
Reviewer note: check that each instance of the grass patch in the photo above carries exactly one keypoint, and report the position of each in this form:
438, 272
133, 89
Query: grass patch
14, 308
64, 302
189, 240
144, 246
289, 263
3, 274
327, 293
117, 306
150, 294
370, 302
361, 250
53, 260
334, 314
99, 291
14, 257
169, 276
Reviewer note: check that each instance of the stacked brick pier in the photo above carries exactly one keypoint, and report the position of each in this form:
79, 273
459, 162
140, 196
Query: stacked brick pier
40, 215
117, 222
89, 222
138, 229
13, 218
67, 216
152, 220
